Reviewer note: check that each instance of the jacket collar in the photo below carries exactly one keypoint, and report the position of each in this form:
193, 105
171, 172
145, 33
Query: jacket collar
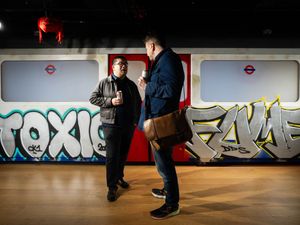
159, 56
111, 79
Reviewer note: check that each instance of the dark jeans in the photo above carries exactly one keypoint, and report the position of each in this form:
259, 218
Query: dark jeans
118, 142
166, 168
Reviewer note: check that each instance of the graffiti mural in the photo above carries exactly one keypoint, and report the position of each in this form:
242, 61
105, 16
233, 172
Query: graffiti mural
248, 132
255, 131
76, 135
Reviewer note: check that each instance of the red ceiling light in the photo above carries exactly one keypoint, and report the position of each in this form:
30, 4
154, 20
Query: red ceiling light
49, 24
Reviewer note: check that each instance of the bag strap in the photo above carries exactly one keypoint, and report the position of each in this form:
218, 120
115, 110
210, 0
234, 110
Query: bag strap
155, 145
184, 93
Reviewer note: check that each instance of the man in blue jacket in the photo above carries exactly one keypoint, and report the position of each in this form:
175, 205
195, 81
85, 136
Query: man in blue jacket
162, 95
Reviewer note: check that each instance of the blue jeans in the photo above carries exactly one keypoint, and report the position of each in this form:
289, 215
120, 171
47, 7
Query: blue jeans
166, 168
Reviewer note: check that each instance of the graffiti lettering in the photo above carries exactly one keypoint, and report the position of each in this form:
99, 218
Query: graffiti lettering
52, 134
275, 131
63, 137
34, 149
241, 150
101, 147
244, 132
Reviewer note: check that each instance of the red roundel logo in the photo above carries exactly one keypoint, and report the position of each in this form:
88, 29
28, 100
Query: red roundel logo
249, 69
50, 69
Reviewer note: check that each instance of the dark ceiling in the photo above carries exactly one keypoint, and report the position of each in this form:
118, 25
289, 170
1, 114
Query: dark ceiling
186, 20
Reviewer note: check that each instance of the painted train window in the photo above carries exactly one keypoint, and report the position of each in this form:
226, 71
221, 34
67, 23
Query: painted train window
249, 80
48, 80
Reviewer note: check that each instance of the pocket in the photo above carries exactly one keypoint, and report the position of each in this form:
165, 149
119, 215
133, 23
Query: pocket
105, 113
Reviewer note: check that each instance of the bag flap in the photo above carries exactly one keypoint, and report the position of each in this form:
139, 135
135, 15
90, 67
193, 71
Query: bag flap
149, 130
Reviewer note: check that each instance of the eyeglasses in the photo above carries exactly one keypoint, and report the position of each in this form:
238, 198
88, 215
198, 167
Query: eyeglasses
121, 63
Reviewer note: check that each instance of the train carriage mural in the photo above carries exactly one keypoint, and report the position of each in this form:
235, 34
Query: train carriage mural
244, 105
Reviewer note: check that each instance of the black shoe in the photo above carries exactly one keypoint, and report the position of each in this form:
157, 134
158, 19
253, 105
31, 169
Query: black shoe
112, 195
159, 193
123, 183
165, 212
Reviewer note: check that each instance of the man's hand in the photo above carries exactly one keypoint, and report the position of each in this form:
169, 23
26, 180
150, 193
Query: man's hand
142, 83
116, 101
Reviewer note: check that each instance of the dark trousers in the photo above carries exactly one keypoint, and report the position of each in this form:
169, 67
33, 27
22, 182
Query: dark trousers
166, 168
118, 142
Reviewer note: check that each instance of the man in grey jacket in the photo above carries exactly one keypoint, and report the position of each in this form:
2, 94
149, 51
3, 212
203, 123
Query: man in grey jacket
120, 102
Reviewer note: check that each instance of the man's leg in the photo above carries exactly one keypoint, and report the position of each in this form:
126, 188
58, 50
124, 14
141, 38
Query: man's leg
112, 138
166, 168
126, 139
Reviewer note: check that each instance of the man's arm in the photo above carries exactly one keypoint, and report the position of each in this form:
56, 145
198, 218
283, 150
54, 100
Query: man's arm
97, 98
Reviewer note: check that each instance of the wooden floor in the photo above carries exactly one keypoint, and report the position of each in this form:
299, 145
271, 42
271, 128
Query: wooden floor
40, 194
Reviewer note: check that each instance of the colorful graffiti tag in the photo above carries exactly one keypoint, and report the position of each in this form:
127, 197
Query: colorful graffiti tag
253, 131
77, 135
